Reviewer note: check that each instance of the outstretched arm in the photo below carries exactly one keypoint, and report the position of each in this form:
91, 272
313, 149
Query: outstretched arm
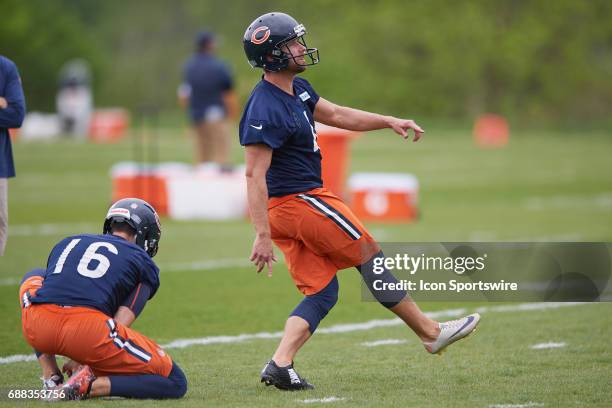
344, 117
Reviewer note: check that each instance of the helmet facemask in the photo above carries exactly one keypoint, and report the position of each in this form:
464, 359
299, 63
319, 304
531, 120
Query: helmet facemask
311, 55
281, 53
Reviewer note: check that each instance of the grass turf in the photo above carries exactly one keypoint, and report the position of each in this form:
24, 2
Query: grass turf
543, 186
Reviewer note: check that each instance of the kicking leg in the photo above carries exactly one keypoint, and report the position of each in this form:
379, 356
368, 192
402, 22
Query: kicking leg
435, 336
424, 327
398, 301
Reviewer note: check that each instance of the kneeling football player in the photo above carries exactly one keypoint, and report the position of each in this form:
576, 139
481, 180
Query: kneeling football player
82, 305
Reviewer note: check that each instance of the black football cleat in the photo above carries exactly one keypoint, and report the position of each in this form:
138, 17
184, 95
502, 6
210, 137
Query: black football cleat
284, 378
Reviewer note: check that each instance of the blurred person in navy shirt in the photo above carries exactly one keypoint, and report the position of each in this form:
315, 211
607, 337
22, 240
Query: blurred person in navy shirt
208, 91
12, 111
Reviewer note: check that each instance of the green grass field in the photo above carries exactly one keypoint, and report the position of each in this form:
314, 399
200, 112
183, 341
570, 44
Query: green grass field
545, 186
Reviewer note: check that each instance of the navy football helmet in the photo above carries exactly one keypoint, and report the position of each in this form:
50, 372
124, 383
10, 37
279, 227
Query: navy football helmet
265, 37
139, 215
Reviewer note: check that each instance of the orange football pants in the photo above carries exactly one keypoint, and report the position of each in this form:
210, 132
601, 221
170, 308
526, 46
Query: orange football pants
319, 235
88, 336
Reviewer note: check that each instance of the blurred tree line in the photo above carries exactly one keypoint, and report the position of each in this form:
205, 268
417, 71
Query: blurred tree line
539, 60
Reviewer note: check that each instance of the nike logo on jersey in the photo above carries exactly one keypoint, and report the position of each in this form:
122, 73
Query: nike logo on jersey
257, 127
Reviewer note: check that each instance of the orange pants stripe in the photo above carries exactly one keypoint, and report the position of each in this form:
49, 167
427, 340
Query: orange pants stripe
89, 337
319, 235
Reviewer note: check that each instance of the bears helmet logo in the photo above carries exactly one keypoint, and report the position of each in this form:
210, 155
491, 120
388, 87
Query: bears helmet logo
256, 38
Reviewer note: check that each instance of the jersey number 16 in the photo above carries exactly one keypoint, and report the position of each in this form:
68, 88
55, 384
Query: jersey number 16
89, 256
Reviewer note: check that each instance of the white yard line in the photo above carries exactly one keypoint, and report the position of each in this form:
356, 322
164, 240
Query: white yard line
17, 358
521, 307
384, 342
526, 405
321, 400
183, 343
549, 345
339, 328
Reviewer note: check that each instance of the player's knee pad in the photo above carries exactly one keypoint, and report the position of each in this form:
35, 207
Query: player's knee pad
179, 380
315, 307
33, 272
376, 281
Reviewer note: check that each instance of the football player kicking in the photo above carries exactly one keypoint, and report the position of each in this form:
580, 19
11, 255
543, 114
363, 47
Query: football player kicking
82, 304
315, 229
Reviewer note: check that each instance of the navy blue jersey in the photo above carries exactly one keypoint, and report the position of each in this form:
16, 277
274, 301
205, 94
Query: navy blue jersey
11, 116
96, 271
285, 123
208, 79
